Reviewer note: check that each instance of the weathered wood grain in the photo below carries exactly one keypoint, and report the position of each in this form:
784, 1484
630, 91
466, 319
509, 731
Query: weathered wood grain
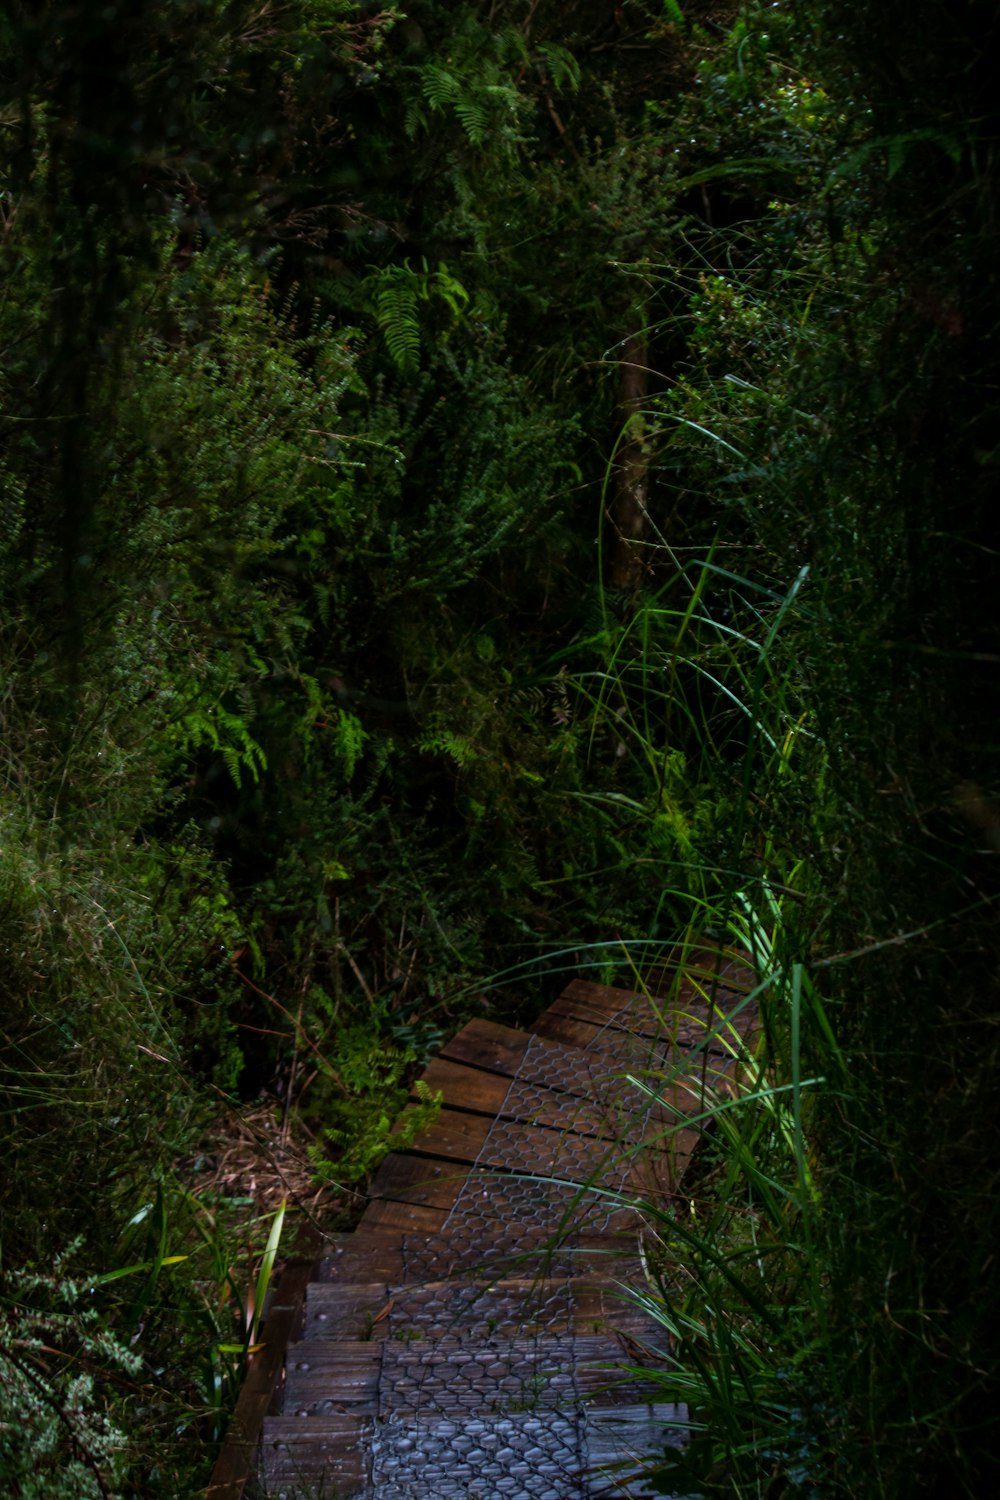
418, 1179
328, 1453
328, 1378
454, 1135
564, 1026
339, 1310
467, 1087
375, 1254
488, 1045
408, 1218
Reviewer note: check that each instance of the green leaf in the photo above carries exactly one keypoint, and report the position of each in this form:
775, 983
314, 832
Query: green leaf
140, 1266
266, 1267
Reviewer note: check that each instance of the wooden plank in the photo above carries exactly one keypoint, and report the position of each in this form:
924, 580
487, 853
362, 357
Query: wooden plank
726, 967
696, 1004
509, 1067
485, 1044
690, 1028
610, 1250
675, 1104
659, 1174
620, 1437
409, 1218
454, 1135
561, 1027
601, 1379
237, 1457
581, 1159
331, 1452
370, 1254
345, 1310
710, 1075
561, 1023
340, 1427
533, 1105
551, 1153
730, 1025
418, 1179
602, 1307
324, 1378
465, 1087
596, 1002
352, 1361
621, 1009
573, 1007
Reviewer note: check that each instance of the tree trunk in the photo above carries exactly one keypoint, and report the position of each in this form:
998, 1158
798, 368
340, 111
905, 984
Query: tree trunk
628, 514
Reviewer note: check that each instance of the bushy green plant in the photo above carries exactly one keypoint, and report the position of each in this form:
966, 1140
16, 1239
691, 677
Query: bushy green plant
359, 1121
59, 1432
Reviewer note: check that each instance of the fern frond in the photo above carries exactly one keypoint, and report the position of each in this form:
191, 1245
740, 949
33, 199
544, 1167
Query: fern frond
454, 746
395, 302
227, 735
349, 738
474, 117
450, 290
560, 64
439, 86
414, 118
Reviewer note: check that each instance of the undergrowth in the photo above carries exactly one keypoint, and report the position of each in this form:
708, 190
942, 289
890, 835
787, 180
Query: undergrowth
315, 708
826, 1276
821, 1274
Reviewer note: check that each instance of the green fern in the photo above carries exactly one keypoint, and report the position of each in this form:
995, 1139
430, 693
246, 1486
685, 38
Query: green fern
474, 117
362, 1124
349, 739
449, 289
454, 746
560, 64
397, 292
395, 301
439, 86
227, 734
478, 104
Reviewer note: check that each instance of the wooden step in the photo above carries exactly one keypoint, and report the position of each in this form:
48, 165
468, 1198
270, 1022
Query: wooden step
488, 1045
590, 1016
333, 1378
383, 1215
376, 1254
345, 1310
327, 1457
371, 1313
545, 1452
469, 1338
426, 1179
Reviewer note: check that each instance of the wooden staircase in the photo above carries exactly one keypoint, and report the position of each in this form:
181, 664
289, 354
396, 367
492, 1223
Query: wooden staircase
472, 1337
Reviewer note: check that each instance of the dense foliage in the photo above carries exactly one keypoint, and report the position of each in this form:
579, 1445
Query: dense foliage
488, 490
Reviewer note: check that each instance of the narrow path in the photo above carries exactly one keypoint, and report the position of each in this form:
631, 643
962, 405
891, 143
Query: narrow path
470, 1340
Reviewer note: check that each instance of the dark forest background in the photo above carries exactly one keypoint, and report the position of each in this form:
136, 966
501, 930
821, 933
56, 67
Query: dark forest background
487, 490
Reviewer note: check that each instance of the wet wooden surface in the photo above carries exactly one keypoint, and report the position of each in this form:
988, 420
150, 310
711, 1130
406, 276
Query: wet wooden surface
482, 1281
